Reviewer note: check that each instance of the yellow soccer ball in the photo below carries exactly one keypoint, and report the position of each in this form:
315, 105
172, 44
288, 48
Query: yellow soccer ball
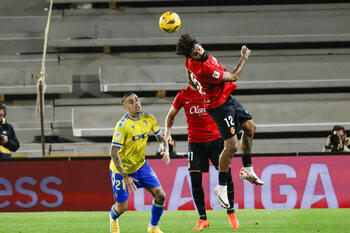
170, 22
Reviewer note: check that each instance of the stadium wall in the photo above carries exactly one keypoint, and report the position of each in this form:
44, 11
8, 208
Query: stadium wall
72, 184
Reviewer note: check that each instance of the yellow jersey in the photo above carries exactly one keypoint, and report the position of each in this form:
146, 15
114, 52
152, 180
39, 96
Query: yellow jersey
131, 136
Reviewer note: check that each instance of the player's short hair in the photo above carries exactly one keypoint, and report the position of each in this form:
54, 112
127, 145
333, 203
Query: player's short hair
185, 45
338, 127
126, 95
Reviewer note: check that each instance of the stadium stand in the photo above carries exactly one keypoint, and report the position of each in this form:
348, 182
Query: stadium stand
22, 80
295, 84
272, 113
139, 26
22, 116
313, 69
100, 121
22, 31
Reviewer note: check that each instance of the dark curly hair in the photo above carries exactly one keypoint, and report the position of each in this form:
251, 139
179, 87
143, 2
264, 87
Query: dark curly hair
185, 45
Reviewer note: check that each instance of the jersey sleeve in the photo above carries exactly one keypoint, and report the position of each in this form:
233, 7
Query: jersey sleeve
178, 101
155, 126
212, 74
119, 135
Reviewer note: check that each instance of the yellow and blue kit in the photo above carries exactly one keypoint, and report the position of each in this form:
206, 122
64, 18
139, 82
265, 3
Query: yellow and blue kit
131, 136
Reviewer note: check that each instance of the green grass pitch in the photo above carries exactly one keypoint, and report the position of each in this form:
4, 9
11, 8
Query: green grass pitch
252, 221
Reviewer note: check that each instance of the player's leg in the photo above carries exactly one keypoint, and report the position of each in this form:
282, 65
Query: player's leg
249, 128
247, 171
121, 195
198, 193
231, 196
198, 160
157, 208
149, 180
226, 120
230, 148
216, 147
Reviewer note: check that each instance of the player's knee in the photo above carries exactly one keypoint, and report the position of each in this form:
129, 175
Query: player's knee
160, 197
250, 128
232, 148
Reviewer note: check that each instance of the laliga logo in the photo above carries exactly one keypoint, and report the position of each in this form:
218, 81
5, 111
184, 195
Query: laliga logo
197, 109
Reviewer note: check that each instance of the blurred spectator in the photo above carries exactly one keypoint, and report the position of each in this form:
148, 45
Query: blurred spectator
337, 141
172, 150
8, 139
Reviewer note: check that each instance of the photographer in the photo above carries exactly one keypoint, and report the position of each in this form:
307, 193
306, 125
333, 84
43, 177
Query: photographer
337, 141
8, 139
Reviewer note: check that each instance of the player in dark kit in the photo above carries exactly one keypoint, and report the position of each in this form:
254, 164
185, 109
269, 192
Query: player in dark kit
204, 144
216, 84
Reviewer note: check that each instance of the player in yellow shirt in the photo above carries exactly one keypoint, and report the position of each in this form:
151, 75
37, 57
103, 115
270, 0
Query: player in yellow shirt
128, 168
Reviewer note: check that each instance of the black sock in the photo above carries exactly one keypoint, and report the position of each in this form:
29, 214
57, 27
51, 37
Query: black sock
198, 194
247, 160
223, 178
230, 193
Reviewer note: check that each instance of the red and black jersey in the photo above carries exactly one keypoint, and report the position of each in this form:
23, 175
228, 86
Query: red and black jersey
207, 76
201, 128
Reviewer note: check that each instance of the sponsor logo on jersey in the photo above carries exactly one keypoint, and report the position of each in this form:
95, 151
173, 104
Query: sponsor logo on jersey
197, 110
216, 74
139, 137
118, 136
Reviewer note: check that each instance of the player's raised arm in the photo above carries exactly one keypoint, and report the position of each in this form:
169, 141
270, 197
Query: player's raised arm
236, 73
163, 148
128, 181
169, 121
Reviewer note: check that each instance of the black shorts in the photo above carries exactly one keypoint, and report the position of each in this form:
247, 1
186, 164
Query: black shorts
229, 117
199, 154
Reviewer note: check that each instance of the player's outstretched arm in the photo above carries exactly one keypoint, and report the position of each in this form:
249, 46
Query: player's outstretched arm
163, 148
236, 73
169, 121
128, 181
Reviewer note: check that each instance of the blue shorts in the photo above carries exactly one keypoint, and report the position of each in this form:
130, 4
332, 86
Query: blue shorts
145, 176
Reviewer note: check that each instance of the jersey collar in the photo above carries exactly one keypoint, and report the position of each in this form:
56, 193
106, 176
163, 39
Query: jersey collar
134, 119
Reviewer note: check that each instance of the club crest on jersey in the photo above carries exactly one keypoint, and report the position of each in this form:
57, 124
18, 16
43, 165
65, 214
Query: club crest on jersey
118, 136
216, 74
233, 131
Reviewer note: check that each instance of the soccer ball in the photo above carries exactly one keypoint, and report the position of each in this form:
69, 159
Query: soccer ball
169, 22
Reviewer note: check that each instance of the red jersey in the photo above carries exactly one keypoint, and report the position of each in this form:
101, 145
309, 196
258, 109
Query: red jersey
207, 76
201, 128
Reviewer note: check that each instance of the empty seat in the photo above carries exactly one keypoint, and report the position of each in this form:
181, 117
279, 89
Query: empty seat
297, 113
315, 69
101, 120
212, 24
22, 80
272, 113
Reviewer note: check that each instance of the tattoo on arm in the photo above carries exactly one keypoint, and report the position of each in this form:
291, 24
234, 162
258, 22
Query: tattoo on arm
163, 142
117, 161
